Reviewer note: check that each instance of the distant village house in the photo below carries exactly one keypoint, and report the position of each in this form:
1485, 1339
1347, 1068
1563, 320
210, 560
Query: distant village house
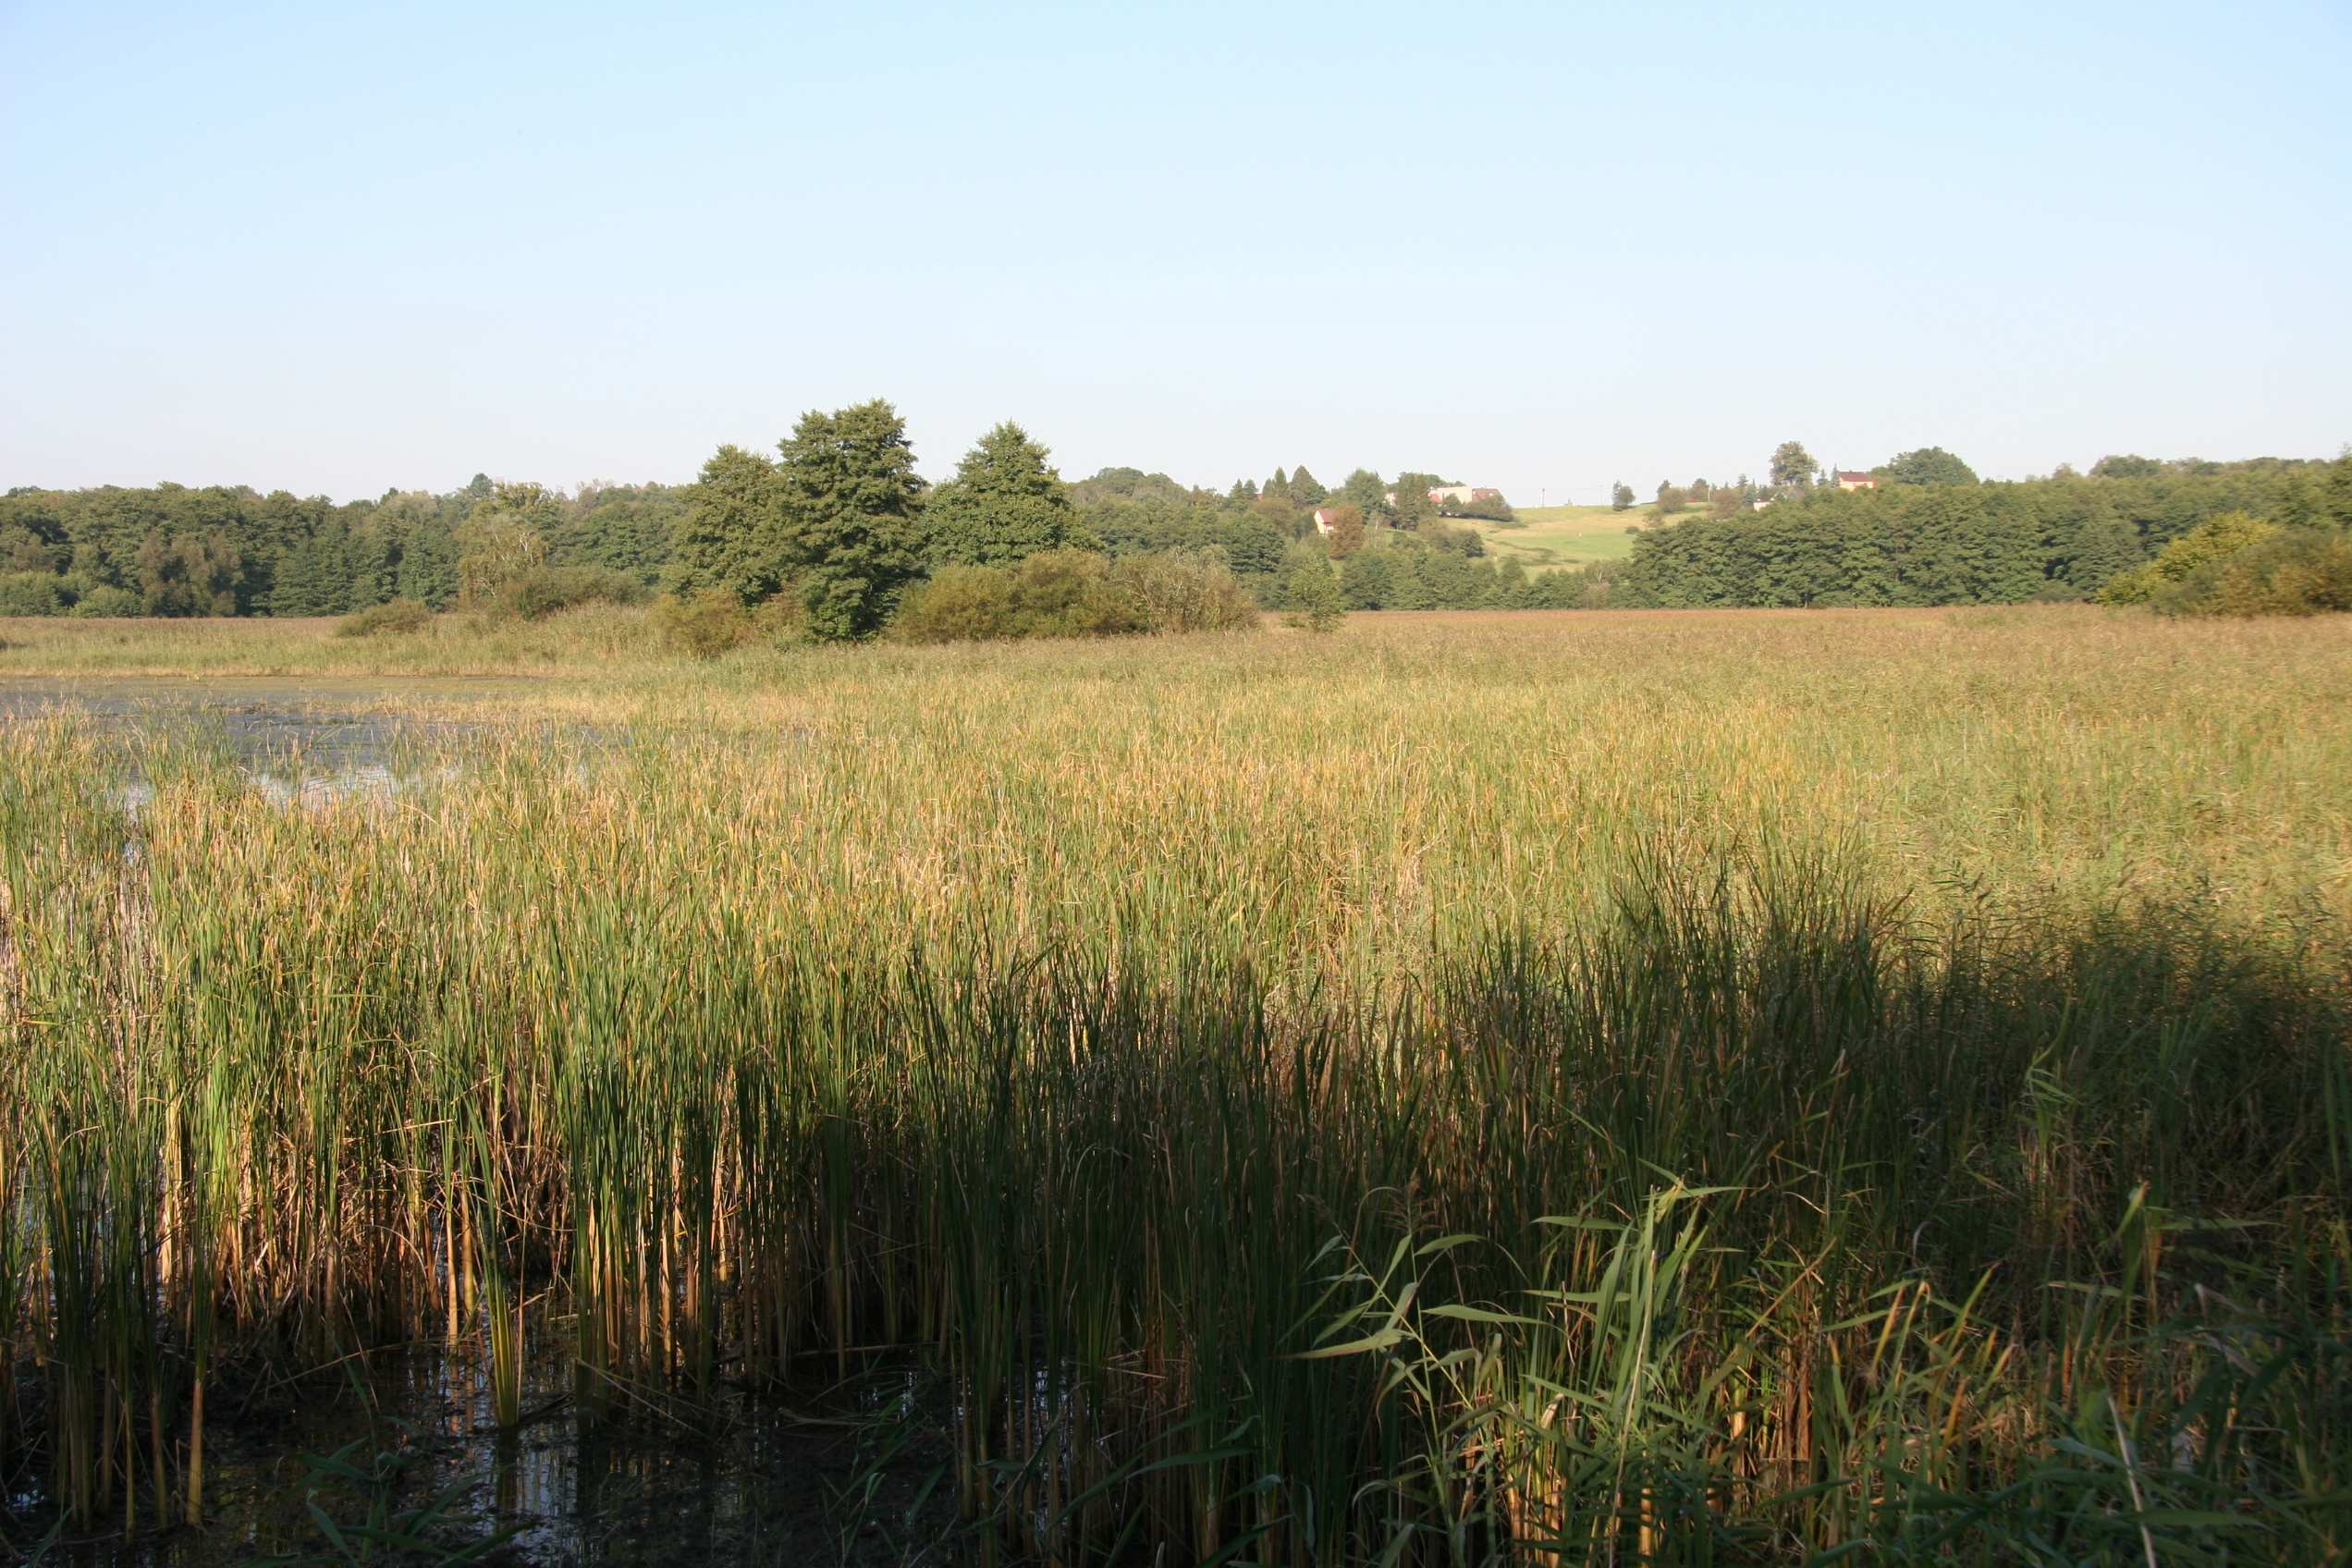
1849, 480
1454, 494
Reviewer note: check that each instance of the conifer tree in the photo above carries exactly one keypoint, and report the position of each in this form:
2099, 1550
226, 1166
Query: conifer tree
294, 590
428, 570
846, 490
728, 537
1005, 503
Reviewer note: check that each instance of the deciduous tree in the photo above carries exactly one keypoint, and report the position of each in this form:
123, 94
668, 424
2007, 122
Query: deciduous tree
1345, 522
1927, 465
194, 574
1364, 488
505, 535
1793, 466
1412, 504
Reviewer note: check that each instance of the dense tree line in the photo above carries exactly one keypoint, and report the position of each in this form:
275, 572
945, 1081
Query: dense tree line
223, 550
1948, 540
837, 527
835, 523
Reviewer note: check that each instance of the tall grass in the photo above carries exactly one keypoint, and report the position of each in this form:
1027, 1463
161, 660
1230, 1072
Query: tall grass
1391, 1132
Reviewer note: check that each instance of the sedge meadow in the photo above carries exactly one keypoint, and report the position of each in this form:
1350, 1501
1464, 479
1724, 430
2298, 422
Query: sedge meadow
1670, 1087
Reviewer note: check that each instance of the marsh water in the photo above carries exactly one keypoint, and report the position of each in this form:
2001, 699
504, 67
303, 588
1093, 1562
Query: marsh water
296, 1458
297, 739
402, 1440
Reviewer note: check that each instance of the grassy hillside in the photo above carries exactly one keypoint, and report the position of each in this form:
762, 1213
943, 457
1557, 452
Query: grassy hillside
1552, 536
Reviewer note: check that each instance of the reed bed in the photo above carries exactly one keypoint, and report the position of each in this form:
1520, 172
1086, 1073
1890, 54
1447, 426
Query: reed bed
1683, 1091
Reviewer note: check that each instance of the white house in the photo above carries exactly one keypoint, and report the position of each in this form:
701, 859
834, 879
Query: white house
1463, 495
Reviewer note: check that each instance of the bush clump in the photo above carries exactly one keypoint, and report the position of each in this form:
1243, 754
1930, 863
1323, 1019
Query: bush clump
1315, 604
107, 601
1052, 594
30, 593
2236, 564
1186, 591
705, 625
2221, 535
393, 617
543, 589
957, 604
2295, 571
1075, 594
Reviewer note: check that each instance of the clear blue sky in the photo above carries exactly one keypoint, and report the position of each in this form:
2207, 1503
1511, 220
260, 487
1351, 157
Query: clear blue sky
335, 248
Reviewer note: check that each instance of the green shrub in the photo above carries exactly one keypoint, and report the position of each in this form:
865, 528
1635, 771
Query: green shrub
30, 593
1315, 604
1052, 594
542, 591
1072, 593
780, 619
109, 601
706, 624
1076, 593
959, 603
2218, 536
1186, 591
392, 617
2295, 571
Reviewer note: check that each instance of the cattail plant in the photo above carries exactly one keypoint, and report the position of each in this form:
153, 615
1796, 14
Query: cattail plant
1688, 1091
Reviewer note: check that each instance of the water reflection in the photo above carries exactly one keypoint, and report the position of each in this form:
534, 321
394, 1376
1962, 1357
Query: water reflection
742, 1479
301, 745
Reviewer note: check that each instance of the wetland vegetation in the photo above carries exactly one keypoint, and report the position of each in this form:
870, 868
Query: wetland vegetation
1668, 1088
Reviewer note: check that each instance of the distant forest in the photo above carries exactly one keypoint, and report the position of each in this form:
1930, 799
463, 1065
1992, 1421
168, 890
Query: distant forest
170, 550
1970, 542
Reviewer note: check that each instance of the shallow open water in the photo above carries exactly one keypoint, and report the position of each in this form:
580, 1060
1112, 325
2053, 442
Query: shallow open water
300, 742
743, 1480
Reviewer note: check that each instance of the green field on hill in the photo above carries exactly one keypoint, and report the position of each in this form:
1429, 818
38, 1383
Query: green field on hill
1549, 536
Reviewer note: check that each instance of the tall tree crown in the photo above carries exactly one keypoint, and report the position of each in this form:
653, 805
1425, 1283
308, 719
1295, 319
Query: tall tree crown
1005, 503
846, 501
